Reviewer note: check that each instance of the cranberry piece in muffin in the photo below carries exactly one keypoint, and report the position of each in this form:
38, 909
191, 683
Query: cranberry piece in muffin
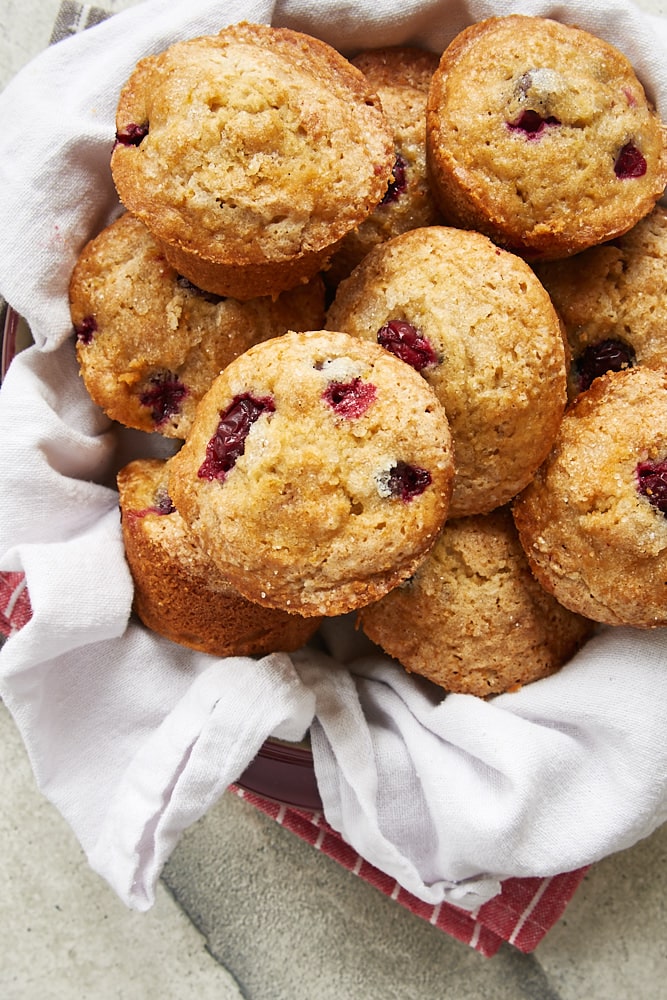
132, 134
164, 396
86, 329
629, 163
406, 481
228, 442
350, 399
605, 356
532, 124
652, 483
407, 343
399, 184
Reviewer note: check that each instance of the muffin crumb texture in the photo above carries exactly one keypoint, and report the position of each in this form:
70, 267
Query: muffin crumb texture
401, 312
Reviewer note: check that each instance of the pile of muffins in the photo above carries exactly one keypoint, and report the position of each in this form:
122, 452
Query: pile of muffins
402, 316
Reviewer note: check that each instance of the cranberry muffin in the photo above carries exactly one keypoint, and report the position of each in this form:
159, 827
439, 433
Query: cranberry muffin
612, 302
249, 154
473, 618
593, 522
481, 329
149, 342
178, 591
541, 136
317, 473
401, 77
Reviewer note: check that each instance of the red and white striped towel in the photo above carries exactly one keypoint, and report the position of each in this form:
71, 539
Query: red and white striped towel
524, 911
522, 914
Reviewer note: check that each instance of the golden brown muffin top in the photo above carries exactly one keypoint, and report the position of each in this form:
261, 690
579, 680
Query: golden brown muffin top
541, 135
255, 144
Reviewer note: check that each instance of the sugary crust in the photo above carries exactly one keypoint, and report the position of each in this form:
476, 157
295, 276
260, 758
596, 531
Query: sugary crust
501, 372
306, 520
553, 193
178, 592
592, 539
400, 77
397, 66
263, 145
155, 342
615, 292
473, 618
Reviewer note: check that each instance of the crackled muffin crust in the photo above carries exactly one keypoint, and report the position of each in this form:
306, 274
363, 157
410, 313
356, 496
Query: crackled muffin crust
473, 618
178, 591
593, 521
150, 343
317, 473
249, 154
612, 301
481, 329
401, 76
541, 136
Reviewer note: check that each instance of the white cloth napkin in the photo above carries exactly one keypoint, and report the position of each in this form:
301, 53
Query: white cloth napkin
132, 737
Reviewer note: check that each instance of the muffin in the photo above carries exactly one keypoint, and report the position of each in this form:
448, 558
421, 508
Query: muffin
178, 592
593, 521
401, 77
612, 302
473, 618
317, 473
150, 343
541, 136
249, 155
481, 329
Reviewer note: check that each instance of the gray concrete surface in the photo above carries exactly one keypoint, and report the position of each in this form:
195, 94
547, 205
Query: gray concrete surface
246, 910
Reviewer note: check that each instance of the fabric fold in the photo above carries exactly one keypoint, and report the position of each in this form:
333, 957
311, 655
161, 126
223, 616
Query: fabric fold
132, 737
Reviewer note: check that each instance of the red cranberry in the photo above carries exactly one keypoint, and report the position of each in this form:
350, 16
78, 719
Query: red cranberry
532, 124
165, 396
606, 356
131, 135
399, 185
629, 163
407, 481
228, 442
350, 399
163, 503
403, 340
86, 329
162, 506
652, 483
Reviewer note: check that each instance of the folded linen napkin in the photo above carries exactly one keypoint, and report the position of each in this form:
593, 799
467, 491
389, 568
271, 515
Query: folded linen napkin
132, 737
